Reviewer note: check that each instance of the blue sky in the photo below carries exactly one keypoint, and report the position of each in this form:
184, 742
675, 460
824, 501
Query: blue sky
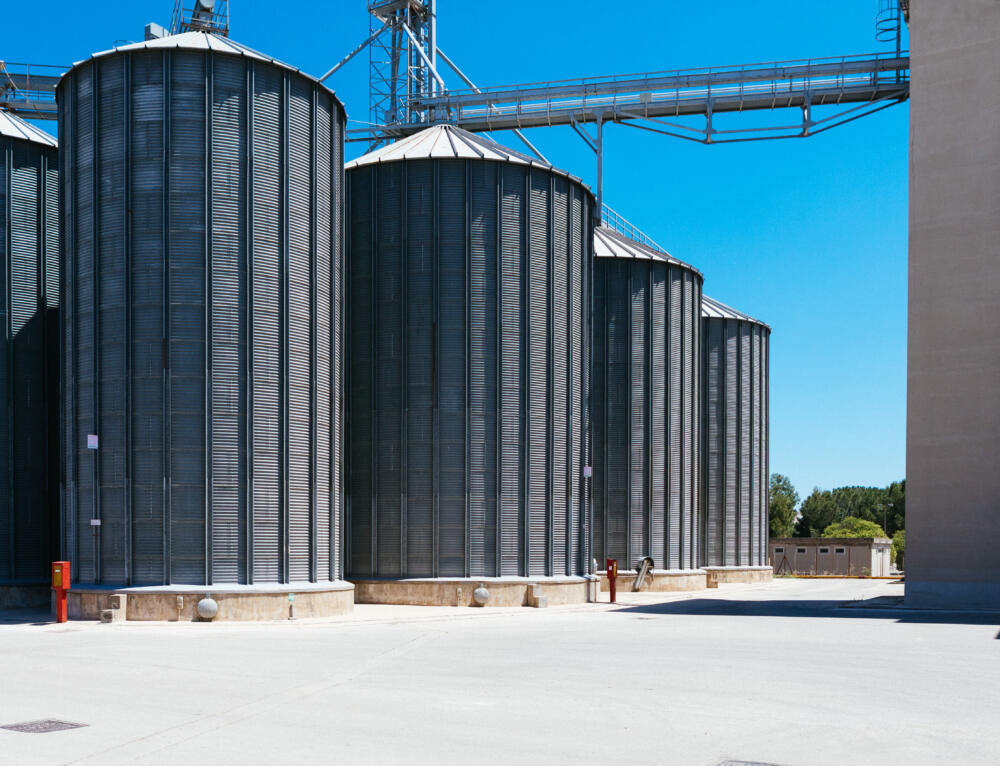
808, 235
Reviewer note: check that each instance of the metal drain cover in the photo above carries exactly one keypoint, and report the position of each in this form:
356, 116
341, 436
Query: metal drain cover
42, 727
746, 763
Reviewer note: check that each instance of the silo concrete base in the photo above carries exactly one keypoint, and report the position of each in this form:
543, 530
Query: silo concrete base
248, 603
458, 591
23, 595
659, 580
718, 575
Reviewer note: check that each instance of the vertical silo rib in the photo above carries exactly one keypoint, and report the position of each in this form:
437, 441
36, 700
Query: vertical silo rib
659, 369
145, 149
299, 321
560, 398
207, 320
265, 301
396, 317
248, 229
649, 374
128, 501
187, 269
467, 372
325, 340
84, 340
687, 448
420, 334
537, 329
451, 384
284, 430
435, 440
745, 446
637, 383
675, 323
361, 253
226, 295
313, 424
483, 378
498, 204
6, 430
755, 447
511, 466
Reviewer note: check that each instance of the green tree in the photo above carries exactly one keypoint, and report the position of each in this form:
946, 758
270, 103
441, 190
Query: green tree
782, 502
899, 547
852, 526
818, 511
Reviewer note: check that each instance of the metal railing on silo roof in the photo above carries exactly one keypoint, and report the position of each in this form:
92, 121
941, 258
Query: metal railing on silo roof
619, 223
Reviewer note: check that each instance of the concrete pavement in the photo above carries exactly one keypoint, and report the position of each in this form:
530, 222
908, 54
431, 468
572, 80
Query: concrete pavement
794, 672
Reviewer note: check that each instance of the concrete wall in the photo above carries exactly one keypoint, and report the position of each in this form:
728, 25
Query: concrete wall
953, 401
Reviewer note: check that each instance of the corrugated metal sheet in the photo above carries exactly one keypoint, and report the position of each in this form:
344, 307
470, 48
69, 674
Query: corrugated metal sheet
464, 460
29, 232
646, 408
198, 338
734, 461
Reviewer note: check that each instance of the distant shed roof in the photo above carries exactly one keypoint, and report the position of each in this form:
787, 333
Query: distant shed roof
609, 243
713, 309
12, 126
449, 142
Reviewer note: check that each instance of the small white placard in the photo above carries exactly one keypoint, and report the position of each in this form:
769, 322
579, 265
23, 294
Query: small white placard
95, 522
588, 471
91, 441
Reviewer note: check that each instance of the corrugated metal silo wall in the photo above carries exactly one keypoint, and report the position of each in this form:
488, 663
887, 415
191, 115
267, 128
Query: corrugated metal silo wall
735, 455
469, 283
646, 424
202, 196
29, 372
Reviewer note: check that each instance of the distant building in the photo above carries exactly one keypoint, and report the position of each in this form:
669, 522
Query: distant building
853, 556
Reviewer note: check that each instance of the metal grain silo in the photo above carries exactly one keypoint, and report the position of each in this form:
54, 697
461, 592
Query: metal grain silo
646, 422
202, 198
29, 372
735, 453
469, 277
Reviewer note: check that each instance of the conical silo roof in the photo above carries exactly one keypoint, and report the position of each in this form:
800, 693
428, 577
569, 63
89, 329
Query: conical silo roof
12, 126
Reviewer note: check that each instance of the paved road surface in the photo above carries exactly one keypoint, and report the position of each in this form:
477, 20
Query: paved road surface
796, 673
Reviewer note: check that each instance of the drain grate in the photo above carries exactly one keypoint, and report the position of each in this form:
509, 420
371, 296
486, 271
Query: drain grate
42, 727
746, 763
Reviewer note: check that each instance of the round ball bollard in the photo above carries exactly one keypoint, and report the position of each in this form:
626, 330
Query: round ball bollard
208, 608
480, 595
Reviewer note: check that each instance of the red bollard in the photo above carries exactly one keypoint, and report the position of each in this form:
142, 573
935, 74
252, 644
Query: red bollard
60, 584
611, 568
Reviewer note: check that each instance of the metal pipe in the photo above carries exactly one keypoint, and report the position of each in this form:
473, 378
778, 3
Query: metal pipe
423, 54
432, 38
355, 52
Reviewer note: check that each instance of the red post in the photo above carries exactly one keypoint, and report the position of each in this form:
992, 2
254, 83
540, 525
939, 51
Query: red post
611, 568
60, 584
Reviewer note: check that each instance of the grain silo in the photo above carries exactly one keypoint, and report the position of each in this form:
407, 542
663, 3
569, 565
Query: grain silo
735, 453
469, 280
202, 198
646, 421
29, 372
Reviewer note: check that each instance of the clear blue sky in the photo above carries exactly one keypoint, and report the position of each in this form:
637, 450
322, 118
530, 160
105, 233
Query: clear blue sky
808, 235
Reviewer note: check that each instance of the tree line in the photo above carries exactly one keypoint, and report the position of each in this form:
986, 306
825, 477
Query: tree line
881, 506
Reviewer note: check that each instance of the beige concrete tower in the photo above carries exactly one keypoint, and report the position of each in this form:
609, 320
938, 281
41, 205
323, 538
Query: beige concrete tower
953, 408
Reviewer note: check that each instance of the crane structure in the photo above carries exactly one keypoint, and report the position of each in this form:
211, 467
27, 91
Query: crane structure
408, 92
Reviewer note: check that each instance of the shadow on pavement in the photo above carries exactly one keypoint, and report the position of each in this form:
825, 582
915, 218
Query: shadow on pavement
31, 616
884, 607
